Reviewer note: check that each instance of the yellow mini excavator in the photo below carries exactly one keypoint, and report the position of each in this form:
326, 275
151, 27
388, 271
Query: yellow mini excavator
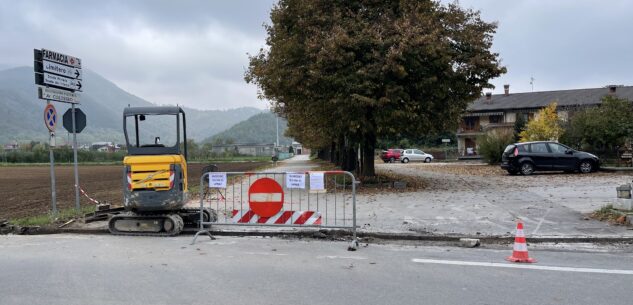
155, 175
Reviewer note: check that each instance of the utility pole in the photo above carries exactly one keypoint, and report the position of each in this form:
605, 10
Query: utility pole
277, 142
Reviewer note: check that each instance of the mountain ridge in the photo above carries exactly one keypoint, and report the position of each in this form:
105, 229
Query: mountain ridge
102, 101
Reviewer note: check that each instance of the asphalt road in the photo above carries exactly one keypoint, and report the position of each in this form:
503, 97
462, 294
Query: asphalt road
103, 269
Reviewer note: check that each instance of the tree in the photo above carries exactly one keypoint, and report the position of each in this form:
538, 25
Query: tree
519, 125
545, 127
601, 128
493, 143
344, 73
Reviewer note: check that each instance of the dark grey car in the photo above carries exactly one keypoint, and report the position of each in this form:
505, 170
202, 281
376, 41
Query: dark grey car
528, 157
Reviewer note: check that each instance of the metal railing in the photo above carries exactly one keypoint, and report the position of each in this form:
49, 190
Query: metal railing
315, 199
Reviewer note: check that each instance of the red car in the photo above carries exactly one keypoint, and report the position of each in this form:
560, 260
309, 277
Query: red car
391, 155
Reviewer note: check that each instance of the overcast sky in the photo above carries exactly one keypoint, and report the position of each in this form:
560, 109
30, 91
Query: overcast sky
193, 53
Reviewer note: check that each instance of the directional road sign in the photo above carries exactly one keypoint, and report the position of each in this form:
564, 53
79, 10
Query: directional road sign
50, 117
80, 120
48, 79
59, 58
49, 93
55, 68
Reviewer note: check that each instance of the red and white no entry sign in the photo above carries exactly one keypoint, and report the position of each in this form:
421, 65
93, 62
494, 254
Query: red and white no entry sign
265, 197
50, 117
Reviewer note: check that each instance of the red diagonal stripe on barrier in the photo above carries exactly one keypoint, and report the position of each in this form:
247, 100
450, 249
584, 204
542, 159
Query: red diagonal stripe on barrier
318, 221
247, 217
234, 213
303, 218
284, 217
263, 219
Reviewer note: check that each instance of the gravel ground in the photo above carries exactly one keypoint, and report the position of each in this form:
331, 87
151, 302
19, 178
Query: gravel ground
480, 199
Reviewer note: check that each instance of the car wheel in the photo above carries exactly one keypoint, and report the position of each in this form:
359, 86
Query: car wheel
513, 172
585, 166
386, 161
405, 160
427, 160
392, 160
527, 168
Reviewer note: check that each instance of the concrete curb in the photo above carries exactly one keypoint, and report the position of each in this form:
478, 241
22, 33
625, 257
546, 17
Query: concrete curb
616, 169
371, 236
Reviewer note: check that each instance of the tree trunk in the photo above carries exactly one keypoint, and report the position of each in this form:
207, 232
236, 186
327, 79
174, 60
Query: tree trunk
333, 156
368, 147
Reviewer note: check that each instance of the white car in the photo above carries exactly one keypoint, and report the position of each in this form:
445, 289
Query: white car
413, 155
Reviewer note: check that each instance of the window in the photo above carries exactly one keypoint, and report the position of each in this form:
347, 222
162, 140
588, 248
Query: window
557, 148
526, 116
495, 119
522, 148
539, 148
471, 123
419, 152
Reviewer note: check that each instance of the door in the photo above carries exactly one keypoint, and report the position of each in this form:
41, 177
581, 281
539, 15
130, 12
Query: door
563, 160
417, 155
542, 157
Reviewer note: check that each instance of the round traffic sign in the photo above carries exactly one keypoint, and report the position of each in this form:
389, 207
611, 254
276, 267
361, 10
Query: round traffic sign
265, 197
50, 117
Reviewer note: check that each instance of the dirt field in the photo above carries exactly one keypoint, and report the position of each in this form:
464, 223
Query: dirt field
26, 191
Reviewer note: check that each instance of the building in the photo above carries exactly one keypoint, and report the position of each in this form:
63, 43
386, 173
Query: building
105, 146
255, 150
498, 111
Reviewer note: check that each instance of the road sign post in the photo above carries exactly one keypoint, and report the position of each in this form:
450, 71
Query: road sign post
77, 206
50, 120
60, 76
446, 141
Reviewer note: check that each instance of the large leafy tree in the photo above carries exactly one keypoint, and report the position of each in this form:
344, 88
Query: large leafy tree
345, 73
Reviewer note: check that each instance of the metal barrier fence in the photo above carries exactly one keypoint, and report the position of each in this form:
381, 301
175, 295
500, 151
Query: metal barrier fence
319, 199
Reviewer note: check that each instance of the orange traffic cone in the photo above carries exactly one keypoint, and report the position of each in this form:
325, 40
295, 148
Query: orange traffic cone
520, 252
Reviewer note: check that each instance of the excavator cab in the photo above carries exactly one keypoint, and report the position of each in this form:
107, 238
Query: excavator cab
155, 166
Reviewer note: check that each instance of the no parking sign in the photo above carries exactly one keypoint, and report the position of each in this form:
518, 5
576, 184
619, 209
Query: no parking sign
50, 117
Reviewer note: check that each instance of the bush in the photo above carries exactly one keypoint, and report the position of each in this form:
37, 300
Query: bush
492, 144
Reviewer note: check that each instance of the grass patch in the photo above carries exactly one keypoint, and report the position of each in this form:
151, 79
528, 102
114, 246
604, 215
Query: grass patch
49, 219
608, 214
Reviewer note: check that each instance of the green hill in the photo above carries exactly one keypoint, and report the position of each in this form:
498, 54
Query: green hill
22, 117
258, 129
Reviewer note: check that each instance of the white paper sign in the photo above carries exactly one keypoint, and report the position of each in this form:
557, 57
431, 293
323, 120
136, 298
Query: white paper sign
217, 180
317, 181
295, 180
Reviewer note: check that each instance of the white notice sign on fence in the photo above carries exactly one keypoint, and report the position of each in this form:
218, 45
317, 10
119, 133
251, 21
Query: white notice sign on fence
217, 180
295, 180
317, 181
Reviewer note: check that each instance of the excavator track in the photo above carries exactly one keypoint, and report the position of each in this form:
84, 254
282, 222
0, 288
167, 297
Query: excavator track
131, 224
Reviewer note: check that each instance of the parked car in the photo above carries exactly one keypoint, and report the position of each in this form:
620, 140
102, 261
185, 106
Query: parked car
413, 155
391, 155
525, 158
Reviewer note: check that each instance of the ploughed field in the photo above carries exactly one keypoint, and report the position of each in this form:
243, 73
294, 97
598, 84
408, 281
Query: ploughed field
26, 190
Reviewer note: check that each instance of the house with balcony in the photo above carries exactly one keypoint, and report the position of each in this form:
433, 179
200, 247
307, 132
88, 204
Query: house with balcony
500, 111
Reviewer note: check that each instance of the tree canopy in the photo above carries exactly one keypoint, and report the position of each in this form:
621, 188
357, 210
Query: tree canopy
345, 73
545, 127
601, 128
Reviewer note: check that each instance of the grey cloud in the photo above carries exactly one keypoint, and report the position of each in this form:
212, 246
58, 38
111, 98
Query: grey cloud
194, 52
563, 44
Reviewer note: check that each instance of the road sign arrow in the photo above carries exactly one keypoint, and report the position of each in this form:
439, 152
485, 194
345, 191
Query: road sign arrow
77, 76
78, 85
